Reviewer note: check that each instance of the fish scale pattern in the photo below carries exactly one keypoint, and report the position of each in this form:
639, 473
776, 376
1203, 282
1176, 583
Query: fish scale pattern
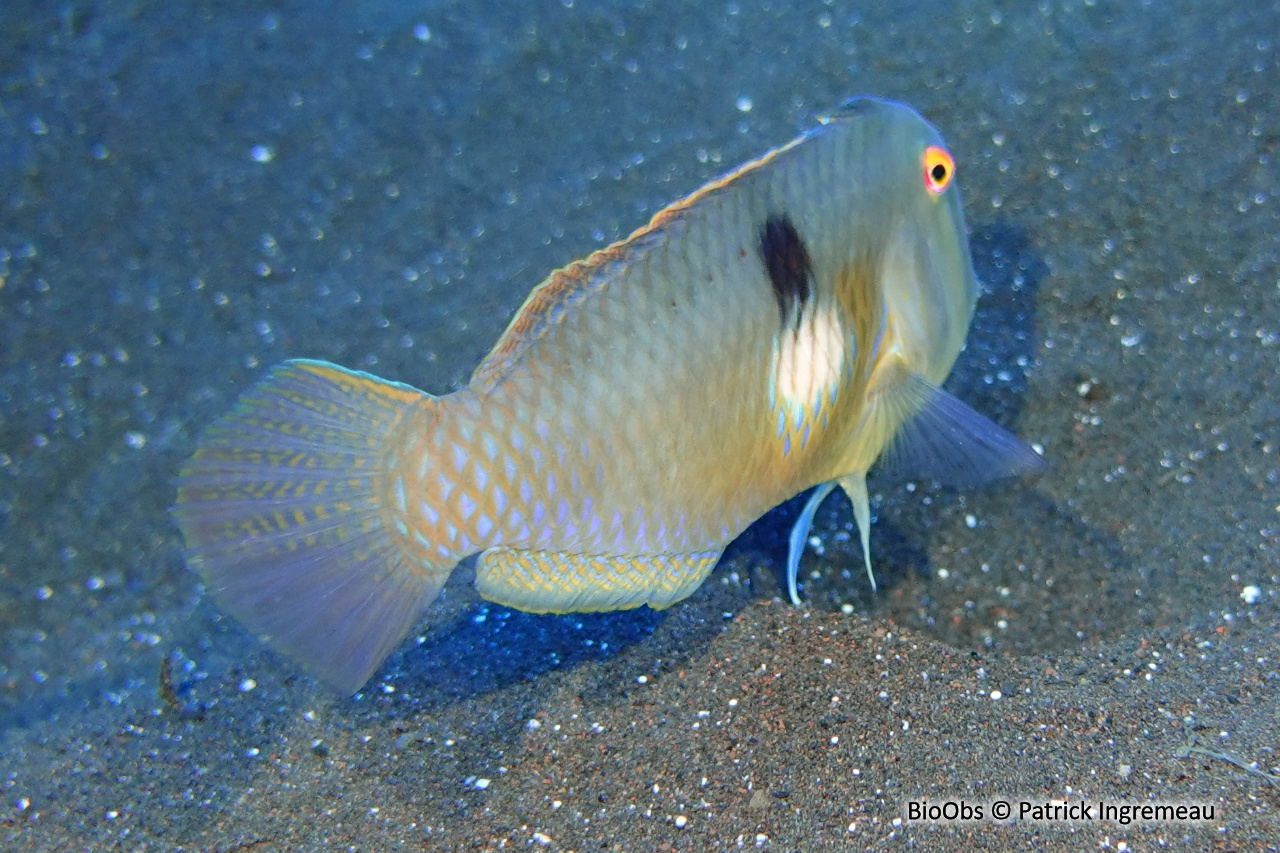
766, 334
546, 582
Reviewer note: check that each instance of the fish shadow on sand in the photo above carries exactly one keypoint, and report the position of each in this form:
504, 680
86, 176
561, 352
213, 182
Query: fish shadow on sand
468, 647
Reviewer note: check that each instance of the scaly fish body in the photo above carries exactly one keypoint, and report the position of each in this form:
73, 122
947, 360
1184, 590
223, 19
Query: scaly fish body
776, 330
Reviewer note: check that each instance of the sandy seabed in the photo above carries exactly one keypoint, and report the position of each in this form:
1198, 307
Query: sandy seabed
191, 192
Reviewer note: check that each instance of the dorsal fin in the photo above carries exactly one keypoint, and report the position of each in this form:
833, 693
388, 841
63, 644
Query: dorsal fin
546, 307
550, 302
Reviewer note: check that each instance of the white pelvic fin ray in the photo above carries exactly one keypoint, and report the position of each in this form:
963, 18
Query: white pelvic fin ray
800, 534
855, 486
943, 439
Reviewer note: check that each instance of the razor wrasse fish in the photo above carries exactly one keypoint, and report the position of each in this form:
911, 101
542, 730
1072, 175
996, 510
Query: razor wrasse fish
777, 330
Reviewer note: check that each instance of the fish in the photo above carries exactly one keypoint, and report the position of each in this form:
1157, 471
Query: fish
780, 329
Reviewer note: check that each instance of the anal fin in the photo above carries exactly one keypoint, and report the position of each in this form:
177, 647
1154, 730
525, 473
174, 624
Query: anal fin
561, 582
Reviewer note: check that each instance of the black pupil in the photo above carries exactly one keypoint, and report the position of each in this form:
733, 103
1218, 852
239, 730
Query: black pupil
938, 173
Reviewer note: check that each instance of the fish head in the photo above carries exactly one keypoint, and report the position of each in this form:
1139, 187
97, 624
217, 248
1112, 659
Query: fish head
925, 272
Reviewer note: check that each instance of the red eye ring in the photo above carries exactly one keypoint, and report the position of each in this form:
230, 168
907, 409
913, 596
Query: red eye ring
938, 169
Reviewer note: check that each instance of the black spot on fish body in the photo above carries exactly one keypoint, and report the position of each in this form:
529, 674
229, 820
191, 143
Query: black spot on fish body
787, 261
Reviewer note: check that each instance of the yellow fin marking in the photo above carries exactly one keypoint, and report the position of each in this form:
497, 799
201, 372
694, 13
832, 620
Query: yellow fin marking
556, 582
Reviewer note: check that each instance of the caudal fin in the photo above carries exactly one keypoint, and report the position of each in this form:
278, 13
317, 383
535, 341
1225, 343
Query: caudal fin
284, 511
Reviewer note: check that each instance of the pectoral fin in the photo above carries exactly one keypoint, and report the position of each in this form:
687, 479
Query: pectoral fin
932, 436
940, 438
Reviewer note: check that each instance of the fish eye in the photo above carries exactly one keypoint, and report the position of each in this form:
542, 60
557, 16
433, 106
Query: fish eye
938, 168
